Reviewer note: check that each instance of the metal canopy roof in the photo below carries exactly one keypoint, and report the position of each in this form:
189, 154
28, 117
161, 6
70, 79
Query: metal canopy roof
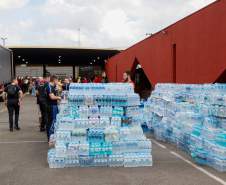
61, 55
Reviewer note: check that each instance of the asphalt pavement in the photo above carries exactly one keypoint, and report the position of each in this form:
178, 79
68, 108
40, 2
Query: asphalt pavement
23, 161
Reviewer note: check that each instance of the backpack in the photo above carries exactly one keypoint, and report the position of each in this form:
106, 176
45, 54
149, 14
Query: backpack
12, 91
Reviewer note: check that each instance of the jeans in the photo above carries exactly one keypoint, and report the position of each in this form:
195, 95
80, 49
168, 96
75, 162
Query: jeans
52, 119
13, 107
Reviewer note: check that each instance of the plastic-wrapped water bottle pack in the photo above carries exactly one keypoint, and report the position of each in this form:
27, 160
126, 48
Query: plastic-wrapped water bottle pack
193, 117
98, 127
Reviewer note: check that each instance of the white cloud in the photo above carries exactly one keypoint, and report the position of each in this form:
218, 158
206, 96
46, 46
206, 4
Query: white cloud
9, 4
114, 22
198, 4
25, 24
103, 23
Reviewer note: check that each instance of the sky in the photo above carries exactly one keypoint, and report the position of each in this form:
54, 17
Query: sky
102, 23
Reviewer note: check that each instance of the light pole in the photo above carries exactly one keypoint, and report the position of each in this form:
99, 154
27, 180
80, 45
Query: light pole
3, 40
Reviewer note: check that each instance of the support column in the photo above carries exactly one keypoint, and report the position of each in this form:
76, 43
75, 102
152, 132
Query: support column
44, 70
75, 72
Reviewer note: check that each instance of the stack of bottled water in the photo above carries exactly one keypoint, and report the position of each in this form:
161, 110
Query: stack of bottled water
119, 95
193, 117
98, 127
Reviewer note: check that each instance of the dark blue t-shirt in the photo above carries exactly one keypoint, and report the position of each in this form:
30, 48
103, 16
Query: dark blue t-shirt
50, 89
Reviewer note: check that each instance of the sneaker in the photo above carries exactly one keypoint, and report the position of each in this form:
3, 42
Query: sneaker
11, 129
17, 128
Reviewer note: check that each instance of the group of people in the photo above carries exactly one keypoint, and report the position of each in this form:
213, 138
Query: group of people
48, 95
48, 92
47, 98
95, 79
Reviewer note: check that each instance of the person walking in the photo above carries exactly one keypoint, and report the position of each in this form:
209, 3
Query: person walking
51, 91
13, 101
25, 85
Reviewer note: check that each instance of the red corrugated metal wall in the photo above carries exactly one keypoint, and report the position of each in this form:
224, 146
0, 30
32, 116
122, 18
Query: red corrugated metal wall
199, 45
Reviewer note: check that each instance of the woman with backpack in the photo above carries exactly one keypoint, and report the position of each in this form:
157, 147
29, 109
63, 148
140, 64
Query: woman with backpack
13, 101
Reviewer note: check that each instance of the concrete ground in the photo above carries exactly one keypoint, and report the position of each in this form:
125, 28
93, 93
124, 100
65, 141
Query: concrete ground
23, 162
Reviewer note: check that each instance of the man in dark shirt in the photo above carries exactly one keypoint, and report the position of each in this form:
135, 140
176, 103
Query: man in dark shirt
42, 101
66, 84
13, 101
51, 91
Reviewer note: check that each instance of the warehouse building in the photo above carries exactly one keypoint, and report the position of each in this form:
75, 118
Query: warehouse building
193, 50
